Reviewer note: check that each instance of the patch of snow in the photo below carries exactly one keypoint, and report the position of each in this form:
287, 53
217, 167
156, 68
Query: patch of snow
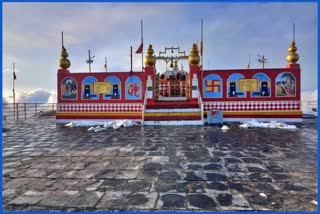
71, 124
97, 126
224, 127
263, 195
271, 124
314, 202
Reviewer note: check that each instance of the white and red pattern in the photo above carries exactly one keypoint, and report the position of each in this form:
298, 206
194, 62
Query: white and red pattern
253, 105
99, 107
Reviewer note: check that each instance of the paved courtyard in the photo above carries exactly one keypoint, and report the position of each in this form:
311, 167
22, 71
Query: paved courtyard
186, 168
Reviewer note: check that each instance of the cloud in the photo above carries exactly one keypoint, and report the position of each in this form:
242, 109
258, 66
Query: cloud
35, 96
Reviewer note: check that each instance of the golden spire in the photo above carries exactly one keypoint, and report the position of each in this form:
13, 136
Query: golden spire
64, 62
149, 59
175, 64
194, 57
293, 57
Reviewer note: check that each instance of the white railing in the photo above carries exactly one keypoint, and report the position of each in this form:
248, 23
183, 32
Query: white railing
312, 105
18, 111
144, 106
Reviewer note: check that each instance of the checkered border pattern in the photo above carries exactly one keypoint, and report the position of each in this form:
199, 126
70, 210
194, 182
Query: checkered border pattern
253, 105
99, 107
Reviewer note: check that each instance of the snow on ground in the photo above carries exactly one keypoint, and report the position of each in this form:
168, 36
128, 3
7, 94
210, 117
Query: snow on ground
225, 127
271, 124
101, 125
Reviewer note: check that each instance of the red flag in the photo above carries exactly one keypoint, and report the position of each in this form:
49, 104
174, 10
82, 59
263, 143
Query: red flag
14, 76
139, 51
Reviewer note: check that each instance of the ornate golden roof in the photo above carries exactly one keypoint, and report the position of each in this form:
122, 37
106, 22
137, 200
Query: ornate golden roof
194, 57
149, 59
292, 57
64, 62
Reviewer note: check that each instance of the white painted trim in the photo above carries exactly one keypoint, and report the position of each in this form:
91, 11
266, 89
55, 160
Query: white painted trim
172, 123
292, 120
101, 121
174, 110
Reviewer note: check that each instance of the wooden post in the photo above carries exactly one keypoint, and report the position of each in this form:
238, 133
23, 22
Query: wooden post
25, 111
17, 107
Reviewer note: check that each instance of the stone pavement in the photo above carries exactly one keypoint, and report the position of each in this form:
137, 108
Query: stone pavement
186, 168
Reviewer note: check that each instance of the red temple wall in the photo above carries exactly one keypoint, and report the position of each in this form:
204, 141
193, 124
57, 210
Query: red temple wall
79, 77
272, 73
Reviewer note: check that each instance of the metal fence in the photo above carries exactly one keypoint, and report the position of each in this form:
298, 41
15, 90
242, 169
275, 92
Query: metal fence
309, 105
17, 111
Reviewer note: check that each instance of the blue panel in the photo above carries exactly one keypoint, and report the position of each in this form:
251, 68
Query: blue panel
233, 86
264, 85
69, 89
133, 88
115, 92
87, 89
212, 86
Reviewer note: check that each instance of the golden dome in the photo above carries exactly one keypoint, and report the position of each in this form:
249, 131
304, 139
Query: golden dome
149, 60
292, 57
194, 57
64, 62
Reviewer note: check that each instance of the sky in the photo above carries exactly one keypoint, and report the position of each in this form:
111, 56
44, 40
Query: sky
233, 32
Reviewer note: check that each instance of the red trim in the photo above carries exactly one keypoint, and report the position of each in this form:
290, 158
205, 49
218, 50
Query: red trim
262, 116
98, 117
166, 118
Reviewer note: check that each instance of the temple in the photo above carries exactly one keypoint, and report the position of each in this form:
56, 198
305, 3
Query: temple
177, 96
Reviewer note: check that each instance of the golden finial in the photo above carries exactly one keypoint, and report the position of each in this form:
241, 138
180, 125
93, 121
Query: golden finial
64, 62
194, 57
293, 57
149, 59
175, 64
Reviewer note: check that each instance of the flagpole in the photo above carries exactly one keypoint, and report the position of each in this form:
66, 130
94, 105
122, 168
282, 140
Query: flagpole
202, 55
142, 45
13, 90
105, 63
130, 58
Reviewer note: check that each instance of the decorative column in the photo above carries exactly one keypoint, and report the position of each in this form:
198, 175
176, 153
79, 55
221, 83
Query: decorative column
150, 61
194, 60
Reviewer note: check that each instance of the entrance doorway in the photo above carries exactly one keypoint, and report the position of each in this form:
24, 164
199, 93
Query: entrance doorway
174, 88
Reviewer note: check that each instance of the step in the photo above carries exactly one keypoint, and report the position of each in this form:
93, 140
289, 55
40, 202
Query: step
173, 110
172, 123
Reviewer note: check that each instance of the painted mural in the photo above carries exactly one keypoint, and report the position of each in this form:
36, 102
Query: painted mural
87, 89
69, 88
133, 88
285, 85
115, 92
212, 86
264, 85
233, 86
